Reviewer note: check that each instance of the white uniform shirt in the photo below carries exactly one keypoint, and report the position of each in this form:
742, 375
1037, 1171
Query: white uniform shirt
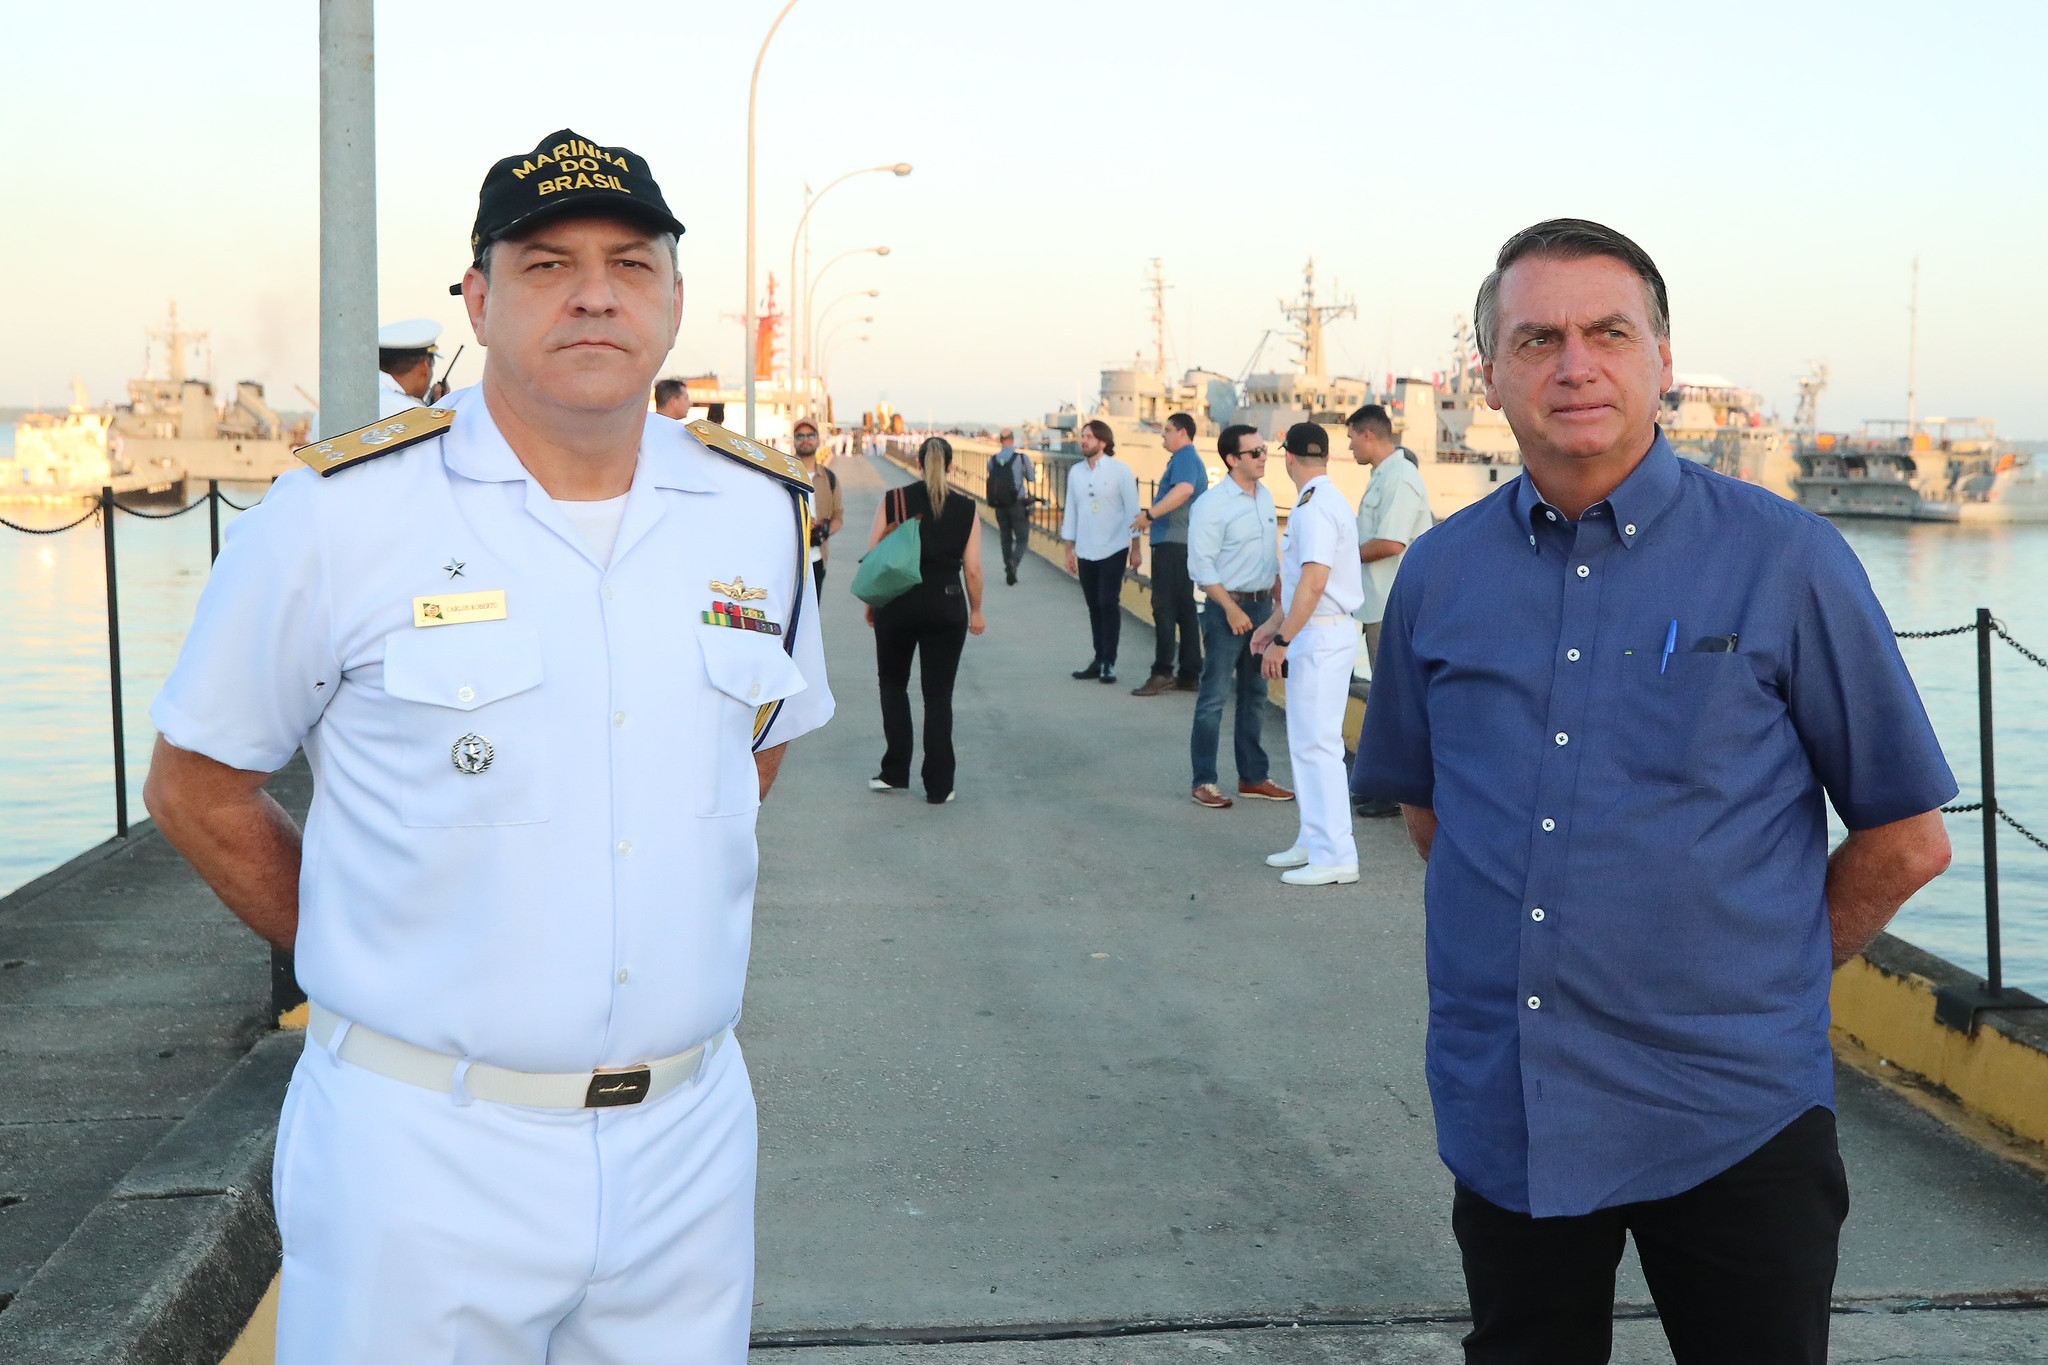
587, 900
1101, 505
1322, 530
391, 399
1395, 507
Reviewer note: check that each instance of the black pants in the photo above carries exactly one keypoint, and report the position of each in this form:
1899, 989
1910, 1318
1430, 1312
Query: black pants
929, 621
818, 576
1013, 527
1173, 611
1102, 586
1741, 1265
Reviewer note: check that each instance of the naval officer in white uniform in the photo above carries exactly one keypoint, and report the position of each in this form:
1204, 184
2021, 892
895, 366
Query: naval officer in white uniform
405, 365
1317, 639
543, 650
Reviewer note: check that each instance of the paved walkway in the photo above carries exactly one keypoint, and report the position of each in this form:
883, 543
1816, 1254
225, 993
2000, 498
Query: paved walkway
1065, 1052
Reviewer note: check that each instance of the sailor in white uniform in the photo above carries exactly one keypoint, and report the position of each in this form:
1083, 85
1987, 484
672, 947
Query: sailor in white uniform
543, 650
405, 365
1321, 585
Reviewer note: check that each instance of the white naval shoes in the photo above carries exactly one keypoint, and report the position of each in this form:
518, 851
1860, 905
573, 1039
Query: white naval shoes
1293, 857
1320, 876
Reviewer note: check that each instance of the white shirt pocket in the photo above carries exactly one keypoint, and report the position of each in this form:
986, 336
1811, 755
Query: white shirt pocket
749, 673
471, 733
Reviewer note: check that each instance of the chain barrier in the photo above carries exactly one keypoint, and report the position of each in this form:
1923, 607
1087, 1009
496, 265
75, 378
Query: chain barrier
1932, 634
1998, 629
49, 530
161, 516
231, 503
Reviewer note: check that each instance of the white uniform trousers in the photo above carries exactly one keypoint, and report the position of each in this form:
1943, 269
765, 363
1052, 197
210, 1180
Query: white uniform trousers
433, 1231
1319, 664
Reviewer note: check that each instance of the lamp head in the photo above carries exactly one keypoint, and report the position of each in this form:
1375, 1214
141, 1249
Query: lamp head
881, 251
901, 168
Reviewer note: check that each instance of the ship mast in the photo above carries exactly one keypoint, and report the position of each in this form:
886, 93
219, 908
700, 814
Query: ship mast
1310, 317
1913, 355
1155, 284
177, 341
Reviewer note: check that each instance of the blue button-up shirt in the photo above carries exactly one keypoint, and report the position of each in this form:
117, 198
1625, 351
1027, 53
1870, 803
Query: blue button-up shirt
1184, 467
1628, 937
1233, 538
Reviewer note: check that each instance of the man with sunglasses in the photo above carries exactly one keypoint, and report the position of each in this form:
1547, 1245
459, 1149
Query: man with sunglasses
1233, 531
827, 512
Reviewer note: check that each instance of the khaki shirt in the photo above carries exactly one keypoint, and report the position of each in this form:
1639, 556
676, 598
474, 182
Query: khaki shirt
825, 507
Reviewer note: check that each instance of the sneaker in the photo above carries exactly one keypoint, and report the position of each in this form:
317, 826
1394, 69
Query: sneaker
1108, 674
1093, 670
1376, 810
1010, 574
1208, 794
1154, 685
1293, 857
1268, 790
876, 784
1321, 876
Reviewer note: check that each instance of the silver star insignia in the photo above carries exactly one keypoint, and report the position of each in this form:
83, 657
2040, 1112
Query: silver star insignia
454, 568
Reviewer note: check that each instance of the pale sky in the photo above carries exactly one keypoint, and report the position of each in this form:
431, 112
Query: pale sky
1783, 162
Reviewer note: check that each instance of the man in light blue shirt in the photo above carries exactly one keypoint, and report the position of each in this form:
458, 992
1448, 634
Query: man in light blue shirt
1007, 489
1233, 535
1102, 502
1173, 592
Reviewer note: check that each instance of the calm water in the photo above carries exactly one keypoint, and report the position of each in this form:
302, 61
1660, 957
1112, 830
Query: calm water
56, 769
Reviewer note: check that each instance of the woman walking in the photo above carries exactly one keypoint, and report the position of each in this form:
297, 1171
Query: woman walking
932, 621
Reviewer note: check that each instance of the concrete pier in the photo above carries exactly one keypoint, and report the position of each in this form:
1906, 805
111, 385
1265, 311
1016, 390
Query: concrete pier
1058, 1074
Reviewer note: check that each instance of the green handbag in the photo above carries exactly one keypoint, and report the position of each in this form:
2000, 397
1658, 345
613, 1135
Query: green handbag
891, 568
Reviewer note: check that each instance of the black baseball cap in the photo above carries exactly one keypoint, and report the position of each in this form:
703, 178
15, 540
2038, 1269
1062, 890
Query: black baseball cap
564, 173
1307, 441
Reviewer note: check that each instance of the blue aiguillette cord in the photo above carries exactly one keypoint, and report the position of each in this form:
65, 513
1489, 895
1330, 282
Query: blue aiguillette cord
1670, 644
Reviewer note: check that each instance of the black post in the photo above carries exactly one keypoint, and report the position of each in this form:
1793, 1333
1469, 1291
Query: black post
1994, 979
212, 520
114, 663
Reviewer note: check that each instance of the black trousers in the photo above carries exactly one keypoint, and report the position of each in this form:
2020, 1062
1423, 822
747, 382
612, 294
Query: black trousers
1741, 1266
818, 576
1173, 612
1013, 527
1102, 585
930, 622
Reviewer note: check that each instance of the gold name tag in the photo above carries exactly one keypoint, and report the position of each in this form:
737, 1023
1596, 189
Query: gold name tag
457, 607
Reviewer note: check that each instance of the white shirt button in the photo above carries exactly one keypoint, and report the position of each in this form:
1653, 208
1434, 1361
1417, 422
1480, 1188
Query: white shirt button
1583, 571
753, 691
1552, 516
608, 592
618, 718
1572, 654
465, 693
622, 976
1535, 1002
1549, 825
1537, 914
1563, 739
625, 847
1629, 529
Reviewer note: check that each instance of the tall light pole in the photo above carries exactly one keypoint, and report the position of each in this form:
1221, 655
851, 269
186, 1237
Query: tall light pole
800, 365
844, 323
348, 217
753, 90
810, 289
825, 364
811, 341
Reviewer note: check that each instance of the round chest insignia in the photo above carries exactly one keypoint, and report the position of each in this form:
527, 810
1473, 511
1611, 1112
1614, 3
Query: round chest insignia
472, 754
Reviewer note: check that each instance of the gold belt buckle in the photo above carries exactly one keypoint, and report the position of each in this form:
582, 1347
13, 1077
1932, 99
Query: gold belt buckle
611, 1088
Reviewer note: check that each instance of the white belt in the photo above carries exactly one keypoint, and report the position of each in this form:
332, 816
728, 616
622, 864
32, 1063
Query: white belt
402, 1061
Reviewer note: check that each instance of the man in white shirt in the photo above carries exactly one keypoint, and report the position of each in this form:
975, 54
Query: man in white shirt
672, 399
521, 1130
1393, 512
405, 365
1321, 584
1102, 503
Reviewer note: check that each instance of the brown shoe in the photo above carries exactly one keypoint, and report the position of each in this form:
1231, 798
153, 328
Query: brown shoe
1208, 795
1265, 791
1154, 685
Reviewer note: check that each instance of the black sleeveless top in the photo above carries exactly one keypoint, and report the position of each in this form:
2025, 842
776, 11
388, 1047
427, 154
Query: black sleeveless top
943, 538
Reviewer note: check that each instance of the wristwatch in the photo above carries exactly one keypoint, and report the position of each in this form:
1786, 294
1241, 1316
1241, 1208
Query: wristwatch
1281, 640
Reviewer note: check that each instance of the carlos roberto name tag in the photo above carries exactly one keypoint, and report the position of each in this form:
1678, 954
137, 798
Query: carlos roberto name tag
455, 607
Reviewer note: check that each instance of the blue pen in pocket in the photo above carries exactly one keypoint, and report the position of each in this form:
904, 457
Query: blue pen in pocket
1670, 644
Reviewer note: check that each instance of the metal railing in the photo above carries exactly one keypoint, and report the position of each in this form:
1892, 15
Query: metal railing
284, 989
1957, 1007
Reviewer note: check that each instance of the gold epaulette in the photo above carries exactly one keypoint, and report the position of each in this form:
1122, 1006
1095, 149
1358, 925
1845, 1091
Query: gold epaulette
752, 454
379, 438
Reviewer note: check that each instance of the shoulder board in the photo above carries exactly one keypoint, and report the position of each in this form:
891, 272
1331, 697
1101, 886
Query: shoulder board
379, 438
768, 460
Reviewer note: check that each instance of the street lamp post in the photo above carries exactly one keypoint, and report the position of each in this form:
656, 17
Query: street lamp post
844, 323
825, 362
800, 364
348, 217
753, 89
811, 342
810, 289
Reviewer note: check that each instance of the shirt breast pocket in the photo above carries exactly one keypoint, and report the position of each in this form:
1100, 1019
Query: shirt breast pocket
749, 673
1698, 717
471, 733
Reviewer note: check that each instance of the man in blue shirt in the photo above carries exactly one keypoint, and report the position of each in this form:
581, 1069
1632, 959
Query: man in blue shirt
1173, 592
1007, 482
1610, 699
